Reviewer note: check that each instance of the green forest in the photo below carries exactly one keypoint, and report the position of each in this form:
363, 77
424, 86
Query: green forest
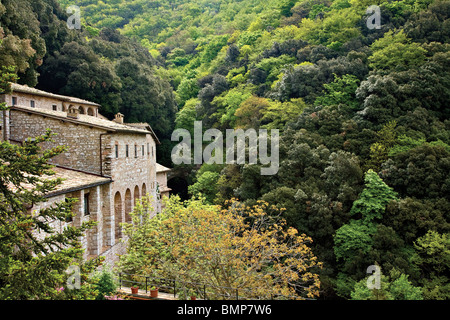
362, 112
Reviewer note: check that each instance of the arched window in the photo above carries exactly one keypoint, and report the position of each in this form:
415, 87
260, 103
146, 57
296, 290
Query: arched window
117, 215
128, 205
81, 109
90, 111
144, 190
137, 196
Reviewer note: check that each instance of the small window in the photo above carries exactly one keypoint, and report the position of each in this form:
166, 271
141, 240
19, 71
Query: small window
142, 150
32, 103
148, 148
126, 151
116, 150
135, 150
86, 204
55, 107
14, 101
152, 151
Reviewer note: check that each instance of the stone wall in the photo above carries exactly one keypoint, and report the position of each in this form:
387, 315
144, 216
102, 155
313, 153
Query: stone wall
93, 150
93, 241
113, 254
133, 175
83, 142
47, 103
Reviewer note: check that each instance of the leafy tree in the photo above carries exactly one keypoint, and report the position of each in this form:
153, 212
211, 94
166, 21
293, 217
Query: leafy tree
211, 49
186, 117
413, 218
24, 45
340, 91
403, 92
373, 200
228, 104
425, 25
357, 242
405, 143
250, 111
237, 247
306, 80
353, 239
229, 180
419, 172
379, 150
15, 51
395, 51
273, 66
187, 89
77, 71
205, 186
433, 252
105, 283
395, 287
277, 114
149, 98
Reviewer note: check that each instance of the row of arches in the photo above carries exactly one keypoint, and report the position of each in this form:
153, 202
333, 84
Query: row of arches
123, 206
82, 110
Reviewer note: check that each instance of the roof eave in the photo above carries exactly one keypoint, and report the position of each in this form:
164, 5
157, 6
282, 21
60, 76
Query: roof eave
80, 122
77, 188
52, 95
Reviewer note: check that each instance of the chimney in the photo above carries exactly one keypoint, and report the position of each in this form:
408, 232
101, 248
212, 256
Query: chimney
73, 112
118, 118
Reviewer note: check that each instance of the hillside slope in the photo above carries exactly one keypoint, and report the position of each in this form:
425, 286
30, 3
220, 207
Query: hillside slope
362, 111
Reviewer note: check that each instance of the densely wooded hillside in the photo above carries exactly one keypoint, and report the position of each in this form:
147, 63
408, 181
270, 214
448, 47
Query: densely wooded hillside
363, 112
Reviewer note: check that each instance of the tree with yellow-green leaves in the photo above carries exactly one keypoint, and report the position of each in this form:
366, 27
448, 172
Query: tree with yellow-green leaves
237, 247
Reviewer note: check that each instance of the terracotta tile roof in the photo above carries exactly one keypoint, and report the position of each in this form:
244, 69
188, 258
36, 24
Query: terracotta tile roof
76, 180
83, 119
161, 168
144, 125
164, 189
26, 89
73, 180
99, 121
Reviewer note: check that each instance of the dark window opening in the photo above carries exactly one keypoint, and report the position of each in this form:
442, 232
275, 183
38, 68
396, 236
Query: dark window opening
86, 204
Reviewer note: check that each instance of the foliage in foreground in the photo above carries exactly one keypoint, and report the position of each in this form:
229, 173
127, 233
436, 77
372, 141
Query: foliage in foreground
33, 265
238, 247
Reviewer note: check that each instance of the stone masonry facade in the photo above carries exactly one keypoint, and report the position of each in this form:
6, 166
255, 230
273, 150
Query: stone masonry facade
108, 165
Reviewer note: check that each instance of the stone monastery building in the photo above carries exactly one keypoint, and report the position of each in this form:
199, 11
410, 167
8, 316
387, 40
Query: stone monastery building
108, 166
